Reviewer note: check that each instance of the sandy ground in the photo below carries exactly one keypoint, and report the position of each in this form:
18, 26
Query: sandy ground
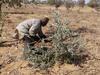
86, 22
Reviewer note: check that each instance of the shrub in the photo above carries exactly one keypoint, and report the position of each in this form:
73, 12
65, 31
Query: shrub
94, 3
81, 3
58, 4
66, 46
69, 3
51, 2
66, 42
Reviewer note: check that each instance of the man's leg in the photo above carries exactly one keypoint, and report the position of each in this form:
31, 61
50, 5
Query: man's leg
27, 42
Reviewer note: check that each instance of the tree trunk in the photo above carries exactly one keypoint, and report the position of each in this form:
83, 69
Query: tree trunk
0, 8
1, 25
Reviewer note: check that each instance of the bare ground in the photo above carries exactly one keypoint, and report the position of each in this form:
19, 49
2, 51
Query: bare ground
86, 22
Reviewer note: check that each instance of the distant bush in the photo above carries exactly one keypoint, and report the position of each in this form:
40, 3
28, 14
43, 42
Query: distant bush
66, 46
81, 3
51, 2
69, 4
94, 3
58, 4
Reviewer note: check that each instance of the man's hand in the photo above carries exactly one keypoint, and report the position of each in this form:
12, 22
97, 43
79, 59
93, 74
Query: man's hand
35, 38
43, 37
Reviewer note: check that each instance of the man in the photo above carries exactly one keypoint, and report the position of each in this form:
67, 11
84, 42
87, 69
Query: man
28, 30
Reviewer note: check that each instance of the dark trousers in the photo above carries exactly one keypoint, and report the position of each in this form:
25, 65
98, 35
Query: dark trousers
27, 43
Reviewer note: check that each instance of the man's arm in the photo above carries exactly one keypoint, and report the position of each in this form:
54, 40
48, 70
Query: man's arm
40, 33
32, 31
34, 28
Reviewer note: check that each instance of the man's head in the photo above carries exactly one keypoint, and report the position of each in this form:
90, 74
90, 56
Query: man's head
44, 21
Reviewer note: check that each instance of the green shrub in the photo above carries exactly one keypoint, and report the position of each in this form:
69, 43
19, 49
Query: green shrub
69, 4
66, 46
43, 57
67, 43
94, 3
81, 3
51, 2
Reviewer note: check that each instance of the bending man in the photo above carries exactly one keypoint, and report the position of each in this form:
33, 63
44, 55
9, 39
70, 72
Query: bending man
28, 30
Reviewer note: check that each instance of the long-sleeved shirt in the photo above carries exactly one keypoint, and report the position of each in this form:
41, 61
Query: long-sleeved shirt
29, 27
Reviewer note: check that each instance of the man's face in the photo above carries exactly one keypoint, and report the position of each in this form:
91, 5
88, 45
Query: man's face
44, 23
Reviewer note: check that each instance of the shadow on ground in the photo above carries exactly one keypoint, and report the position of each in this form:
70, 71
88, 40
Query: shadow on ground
6, 44
87, 30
